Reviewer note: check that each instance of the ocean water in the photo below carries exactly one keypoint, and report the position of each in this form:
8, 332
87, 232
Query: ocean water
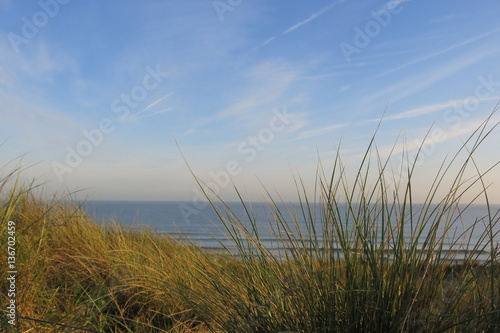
201, 225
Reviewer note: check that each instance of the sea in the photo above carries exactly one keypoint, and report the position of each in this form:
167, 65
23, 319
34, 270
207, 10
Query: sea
199, 224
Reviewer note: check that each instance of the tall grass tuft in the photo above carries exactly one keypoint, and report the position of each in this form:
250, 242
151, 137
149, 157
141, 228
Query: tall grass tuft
361, 255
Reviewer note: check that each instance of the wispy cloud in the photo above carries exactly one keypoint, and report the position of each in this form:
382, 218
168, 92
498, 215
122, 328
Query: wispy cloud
443, 19
467, 128
3, 80
424, 79
270, 79
320, 131
41, 124
433, 108
448, 49
140, 114
42, 63
463, 131
385, 54
312, 17
188, 132
157, 101
345, 87
267, 41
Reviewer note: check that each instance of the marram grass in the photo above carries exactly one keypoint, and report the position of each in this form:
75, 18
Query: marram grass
366, 260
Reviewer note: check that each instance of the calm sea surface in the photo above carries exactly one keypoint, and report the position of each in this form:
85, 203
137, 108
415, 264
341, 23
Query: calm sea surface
201, 225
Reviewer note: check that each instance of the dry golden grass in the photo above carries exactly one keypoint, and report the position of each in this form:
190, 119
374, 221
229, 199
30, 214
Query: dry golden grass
75, 275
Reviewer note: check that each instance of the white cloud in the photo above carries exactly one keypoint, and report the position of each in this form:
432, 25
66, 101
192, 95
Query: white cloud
443, 19
157, 101
427, 78
141, 114
448, 49
447, 133
189, 132
313, 16
433, 108
30, 122
3, 79
320, 131
270, 80
41, 64
345, 87
296, 125
267, 41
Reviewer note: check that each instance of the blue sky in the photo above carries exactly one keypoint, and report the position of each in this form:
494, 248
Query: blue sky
97, 93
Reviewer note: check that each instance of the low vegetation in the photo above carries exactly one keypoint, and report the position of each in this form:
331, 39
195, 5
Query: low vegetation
366, 260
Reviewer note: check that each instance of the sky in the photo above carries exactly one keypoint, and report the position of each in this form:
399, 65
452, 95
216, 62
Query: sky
119, 100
